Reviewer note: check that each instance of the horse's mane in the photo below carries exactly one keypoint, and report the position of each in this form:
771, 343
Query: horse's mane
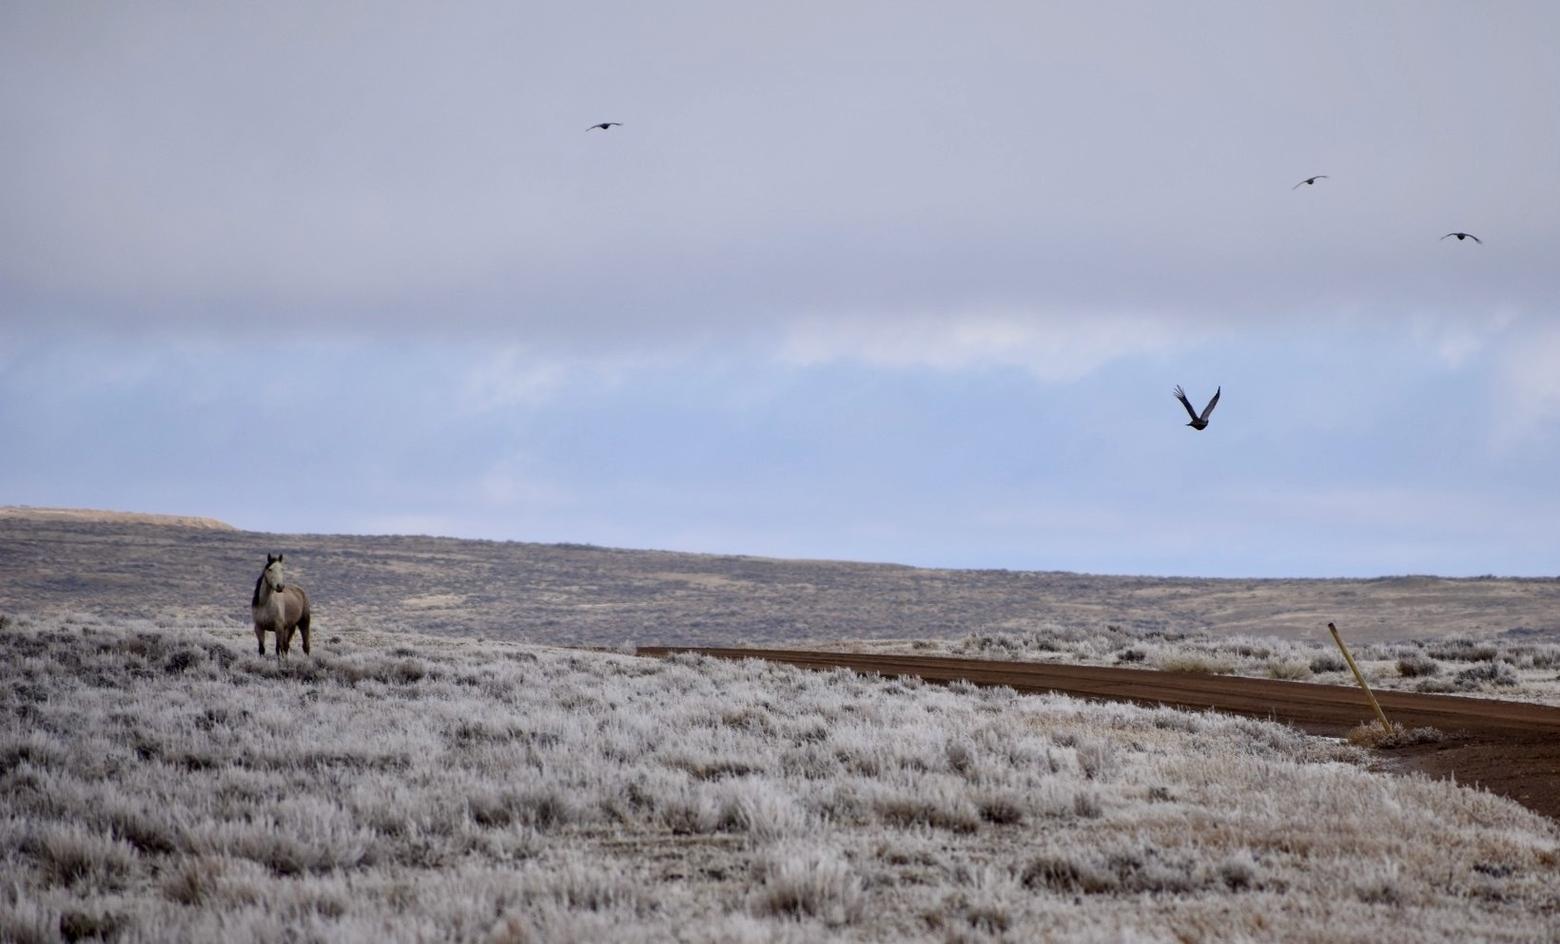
258, 581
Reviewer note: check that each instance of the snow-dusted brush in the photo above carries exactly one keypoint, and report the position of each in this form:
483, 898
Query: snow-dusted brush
167, 784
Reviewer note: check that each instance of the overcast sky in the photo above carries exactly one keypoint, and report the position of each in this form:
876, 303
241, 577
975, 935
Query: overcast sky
892, 281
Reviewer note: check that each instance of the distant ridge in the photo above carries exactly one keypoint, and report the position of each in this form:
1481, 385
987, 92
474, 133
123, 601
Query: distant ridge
87, 515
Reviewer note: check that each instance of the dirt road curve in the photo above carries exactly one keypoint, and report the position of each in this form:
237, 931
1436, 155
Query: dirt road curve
1512, 748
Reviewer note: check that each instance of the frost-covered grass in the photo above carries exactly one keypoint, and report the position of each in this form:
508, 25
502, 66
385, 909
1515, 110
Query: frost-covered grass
165, 784
1497, 667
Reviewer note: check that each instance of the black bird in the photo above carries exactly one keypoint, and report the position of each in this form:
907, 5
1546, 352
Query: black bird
1198, 422
605, 125
1309, 180
1463, 236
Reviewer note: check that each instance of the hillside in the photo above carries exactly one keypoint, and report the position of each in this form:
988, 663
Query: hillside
96, 516
589, 595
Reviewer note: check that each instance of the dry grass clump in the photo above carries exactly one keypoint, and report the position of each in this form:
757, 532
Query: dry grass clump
166, 785
801, 883
1293, 670
1372, 734
1195, 663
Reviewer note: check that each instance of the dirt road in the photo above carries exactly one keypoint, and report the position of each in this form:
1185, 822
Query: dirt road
1511, 748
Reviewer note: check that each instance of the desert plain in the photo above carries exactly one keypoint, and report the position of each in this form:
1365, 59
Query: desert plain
476, 750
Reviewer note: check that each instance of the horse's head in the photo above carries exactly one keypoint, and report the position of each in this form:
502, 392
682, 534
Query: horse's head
273, 573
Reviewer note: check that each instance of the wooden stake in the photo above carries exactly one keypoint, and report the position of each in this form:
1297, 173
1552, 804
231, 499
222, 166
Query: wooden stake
1359, 677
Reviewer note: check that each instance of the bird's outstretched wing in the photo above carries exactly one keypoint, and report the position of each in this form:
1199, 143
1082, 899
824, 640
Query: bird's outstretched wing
1476, 239
1181, 395
1211, 404
1309, 180
1448, 235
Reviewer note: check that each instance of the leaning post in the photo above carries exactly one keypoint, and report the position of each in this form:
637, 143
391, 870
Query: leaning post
1359, 677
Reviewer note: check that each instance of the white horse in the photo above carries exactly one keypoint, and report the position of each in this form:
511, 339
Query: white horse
279, 608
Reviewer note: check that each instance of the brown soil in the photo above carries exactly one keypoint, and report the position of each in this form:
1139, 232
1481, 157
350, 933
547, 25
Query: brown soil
1509, 748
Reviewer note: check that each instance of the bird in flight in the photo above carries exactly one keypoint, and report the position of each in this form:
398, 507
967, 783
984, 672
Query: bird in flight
605, 125
1309, 180
1463, 236
1198, 422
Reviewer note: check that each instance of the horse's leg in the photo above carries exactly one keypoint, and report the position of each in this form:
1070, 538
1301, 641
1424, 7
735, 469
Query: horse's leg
283, 640
303, 627
260, 637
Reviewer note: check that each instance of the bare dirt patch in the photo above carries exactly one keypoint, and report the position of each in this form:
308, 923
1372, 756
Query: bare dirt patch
1524, 769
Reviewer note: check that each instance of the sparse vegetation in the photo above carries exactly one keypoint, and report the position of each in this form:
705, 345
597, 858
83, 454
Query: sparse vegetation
576, 594
158, 782
398, 787
1501, 667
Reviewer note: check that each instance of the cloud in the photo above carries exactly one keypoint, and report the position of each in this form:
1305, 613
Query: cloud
523, 377
511, 377
1529, 381
1049, 347
290, 166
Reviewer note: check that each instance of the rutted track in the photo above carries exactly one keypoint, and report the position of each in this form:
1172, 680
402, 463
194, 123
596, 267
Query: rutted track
1513, 748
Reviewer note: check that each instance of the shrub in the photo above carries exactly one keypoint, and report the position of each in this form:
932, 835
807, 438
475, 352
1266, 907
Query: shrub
1546, 658
1288, 669
192, 882
1122, 871
798, 884
542, 809
926, 805
1196, 663
1328, 662
180, 660
1463, 650
78, 925
1002, 809
1238, 872
1489, 673
70, 855
1086, 805
1417, 666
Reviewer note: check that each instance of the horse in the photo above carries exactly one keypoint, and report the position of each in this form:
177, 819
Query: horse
279, 608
